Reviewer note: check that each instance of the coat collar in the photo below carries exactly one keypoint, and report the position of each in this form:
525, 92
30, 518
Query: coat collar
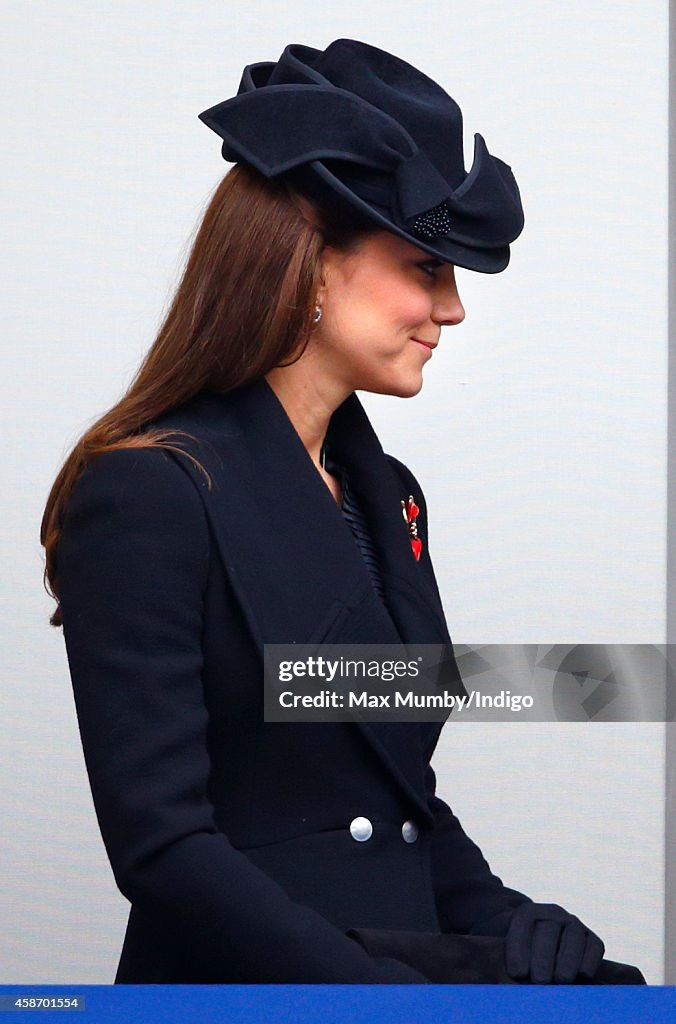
288, 552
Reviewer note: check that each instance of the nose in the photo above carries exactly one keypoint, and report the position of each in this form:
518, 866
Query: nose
448, 309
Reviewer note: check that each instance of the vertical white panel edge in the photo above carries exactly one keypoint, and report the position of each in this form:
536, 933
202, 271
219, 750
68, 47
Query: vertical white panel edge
670, 727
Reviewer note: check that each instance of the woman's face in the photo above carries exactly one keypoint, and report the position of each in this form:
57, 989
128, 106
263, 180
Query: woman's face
375, 302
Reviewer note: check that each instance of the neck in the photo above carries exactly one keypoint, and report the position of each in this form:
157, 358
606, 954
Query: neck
309, 403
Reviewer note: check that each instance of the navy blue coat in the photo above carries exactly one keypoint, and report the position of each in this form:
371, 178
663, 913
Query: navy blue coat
230, 835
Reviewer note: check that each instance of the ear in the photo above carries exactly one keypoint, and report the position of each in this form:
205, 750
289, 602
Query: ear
334, 267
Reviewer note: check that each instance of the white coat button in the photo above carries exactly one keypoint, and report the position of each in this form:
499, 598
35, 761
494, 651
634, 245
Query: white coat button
361, 829
409, 831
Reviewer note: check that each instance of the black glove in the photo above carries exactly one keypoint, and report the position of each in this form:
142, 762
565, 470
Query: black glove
547, 945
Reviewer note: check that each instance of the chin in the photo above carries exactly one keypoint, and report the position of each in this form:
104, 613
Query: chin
407, 390
395, 390
402, 382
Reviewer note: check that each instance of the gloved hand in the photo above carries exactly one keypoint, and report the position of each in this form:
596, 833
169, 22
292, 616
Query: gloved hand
547, 945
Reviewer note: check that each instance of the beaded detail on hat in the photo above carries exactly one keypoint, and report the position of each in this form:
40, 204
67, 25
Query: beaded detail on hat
433, 223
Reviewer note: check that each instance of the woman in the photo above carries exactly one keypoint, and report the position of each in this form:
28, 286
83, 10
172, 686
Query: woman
237, 495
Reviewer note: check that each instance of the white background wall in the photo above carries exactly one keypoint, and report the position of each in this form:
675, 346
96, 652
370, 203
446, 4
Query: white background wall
539, 436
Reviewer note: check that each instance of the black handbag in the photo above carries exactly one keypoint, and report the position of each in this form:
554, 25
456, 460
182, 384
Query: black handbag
467, 959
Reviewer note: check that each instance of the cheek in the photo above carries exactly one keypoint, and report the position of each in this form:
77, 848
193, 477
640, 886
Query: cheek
404, 303
376, 313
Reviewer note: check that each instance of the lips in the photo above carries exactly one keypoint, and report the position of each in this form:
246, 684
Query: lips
428, 344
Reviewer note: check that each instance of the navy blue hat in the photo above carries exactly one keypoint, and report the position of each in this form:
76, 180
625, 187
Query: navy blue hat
383, 136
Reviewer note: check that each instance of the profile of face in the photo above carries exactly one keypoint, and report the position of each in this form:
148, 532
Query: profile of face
383, 307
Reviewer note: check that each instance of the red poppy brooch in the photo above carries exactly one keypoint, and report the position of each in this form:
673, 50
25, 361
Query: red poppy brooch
410, 514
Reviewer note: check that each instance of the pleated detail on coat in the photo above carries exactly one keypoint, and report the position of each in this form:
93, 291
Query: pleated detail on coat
354, 517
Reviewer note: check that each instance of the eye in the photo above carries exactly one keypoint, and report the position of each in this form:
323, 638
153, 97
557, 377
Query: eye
429, 266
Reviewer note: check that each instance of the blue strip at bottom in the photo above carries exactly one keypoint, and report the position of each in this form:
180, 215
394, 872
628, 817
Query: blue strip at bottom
347, 1004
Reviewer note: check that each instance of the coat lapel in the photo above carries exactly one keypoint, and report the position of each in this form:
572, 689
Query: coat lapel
290, 556
411, 598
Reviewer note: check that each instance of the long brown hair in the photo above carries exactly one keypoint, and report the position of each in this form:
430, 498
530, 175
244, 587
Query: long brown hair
243, 305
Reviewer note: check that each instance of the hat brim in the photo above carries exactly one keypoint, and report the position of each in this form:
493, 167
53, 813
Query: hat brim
484, 261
